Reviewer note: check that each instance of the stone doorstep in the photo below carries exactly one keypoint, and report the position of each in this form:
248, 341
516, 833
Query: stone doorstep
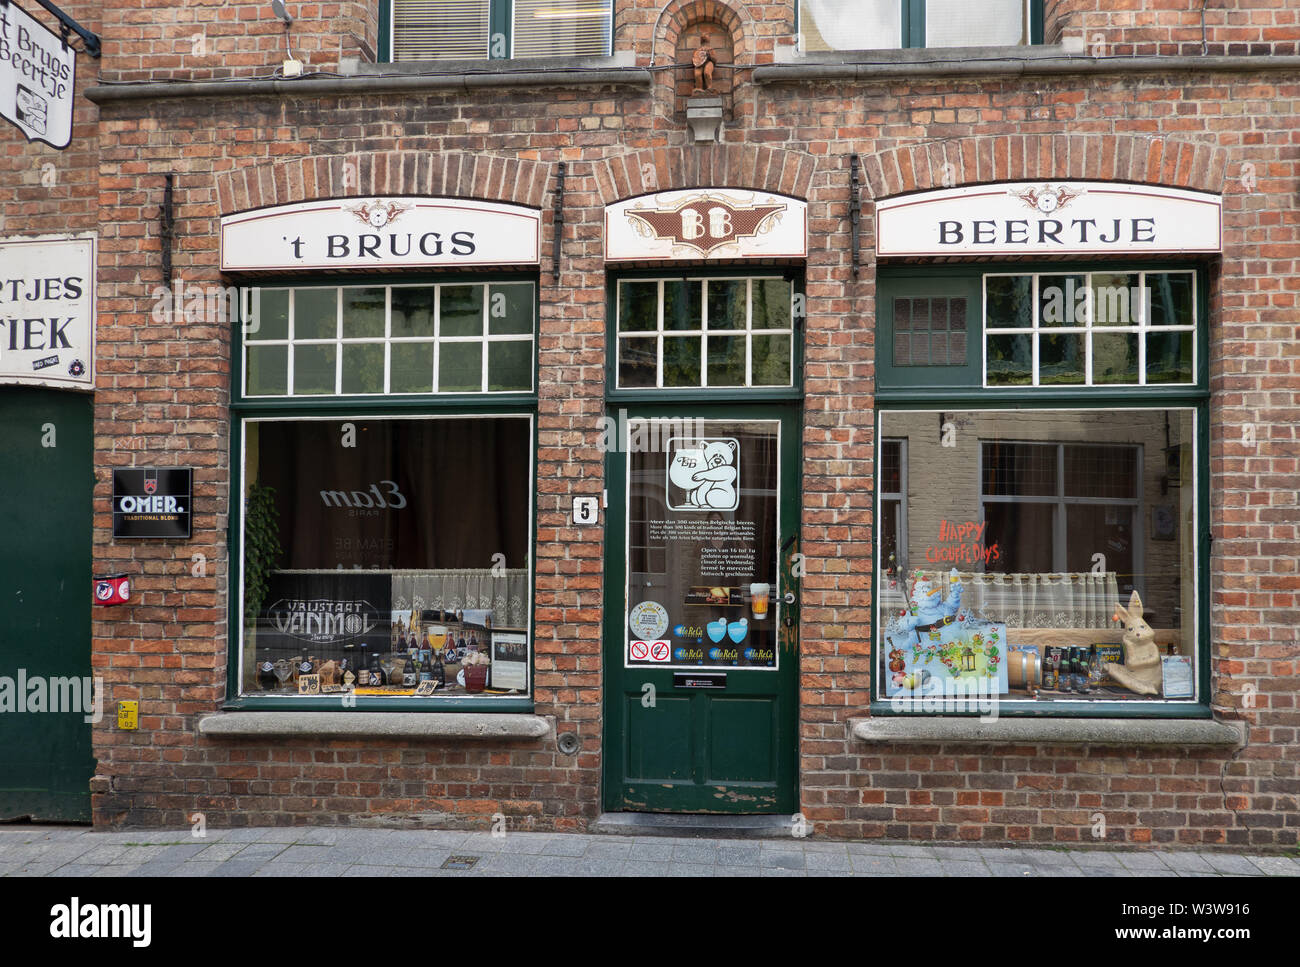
406, 725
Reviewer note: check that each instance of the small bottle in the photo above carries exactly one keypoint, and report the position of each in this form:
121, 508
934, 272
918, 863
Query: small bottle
377, 677
266, 679
409, 675
363, 667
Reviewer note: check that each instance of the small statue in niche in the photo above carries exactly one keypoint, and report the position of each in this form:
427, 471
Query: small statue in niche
1141, 671
703, 61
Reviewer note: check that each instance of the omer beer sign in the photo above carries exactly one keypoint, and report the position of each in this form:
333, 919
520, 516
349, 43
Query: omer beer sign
153, 502
38, 73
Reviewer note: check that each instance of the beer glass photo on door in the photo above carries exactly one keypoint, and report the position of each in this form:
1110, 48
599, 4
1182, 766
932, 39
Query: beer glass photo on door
702, 547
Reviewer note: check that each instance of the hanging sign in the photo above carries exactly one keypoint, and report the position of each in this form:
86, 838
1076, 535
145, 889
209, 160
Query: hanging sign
47, 311
706, 223
355, 233
38, 73
153, 502
1057, 218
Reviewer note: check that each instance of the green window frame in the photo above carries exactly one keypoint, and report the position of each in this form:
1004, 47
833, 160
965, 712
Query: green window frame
954, 392
345, 407
504, 36
686, 304
912, 19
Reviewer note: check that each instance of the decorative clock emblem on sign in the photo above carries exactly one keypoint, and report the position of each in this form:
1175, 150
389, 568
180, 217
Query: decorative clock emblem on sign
378, 214
705, 222
1047, 199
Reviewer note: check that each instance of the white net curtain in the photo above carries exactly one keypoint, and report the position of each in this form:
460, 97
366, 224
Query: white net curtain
505, 591
1030, 600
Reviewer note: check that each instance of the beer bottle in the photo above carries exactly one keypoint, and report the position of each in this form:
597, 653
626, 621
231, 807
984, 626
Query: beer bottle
409, 675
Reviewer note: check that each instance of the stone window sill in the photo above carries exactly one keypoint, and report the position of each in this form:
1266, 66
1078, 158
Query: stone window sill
901, 730
406, 725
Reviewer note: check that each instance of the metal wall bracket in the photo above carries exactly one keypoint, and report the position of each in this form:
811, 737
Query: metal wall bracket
558, 220
91, 41
855, 206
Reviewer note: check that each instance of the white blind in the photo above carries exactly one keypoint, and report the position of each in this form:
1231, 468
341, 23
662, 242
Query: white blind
963, 23
850, 24
440, 29
552, 28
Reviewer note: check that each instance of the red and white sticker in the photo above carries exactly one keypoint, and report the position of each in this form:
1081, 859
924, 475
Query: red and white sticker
639, 651
649, 651
659, 651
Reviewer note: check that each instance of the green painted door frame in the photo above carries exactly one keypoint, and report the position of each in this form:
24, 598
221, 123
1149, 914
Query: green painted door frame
732, 750
46, 494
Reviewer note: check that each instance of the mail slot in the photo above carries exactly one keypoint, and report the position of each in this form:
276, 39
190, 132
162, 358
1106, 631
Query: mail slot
692, 680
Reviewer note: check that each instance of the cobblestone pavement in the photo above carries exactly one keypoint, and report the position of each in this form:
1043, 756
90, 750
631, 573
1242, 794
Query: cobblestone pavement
340, 851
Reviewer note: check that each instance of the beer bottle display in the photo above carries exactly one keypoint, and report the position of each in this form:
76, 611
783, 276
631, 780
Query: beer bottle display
266, 679
409, 675
363, 667
377, 677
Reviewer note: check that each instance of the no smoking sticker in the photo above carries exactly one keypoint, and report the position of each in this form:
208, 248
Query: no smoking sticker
649, 651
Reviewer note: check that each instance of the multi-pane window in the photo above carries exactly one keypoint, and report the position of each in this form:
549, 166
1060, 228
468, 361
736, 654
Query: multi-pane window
1090, 328
363, 340
495, 29
930, 331
883, 24
705, 332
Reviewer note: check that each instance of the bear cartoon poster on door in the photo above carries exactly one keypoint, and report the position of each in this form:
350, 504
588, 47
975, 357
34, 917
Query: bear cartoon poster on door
702, 540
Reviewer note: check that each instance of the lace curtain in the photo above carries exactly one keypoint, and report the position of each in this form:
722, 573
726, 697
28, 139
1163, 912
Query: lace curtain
1030, 600
505, 592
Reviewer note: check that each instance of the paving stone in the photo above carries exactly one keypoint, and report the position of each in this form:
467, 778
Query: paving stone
737, 871
1142, 861
235, 868
706, 854
788, 860
609, 851
963, 868
553, 865
1011, 869
871, 849
1096, 858
729, 855
918, 866
1276, 865
510, 863
77, 869
564, 846
691, 869
1185, 861
781, 871
260, 852
384, 871
838, 862
650, 853
217, 852
913, 852
1230, 863
866, 864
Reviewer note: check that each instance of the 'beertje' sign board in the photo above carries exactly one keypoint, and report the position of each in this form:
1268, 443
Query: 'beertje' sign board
47, 311
153, 502
1065, 218
37, 76
359, 233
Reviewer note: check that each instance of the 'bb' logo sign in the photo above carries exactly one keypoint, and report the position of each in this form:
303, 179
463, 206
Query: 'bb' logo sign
114, 589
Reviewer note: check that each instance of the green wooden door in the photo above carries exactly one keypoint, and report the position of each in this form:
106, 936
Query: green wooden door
46, 487
702, 507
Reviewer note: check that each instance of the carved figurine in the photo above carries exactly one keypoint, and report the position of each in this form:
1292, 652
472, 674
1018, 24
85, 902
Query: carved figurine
703, 61
1141, 669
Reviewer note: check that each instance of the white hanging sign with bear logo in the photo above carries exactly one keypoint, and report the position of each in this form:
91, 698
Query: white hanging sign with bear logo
703, 474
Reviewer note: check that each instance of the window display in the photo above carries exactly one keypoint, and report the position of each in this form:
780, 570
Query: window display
1019, 557
386, 557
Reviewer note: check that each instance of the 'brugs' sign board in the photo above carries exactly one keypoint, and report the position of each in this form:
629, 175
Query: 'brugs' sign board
1031, 218
38, 74
359, 233
47, 311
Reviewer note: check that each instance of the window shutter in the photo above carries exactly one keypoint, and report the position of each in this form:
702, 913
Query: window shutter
440, 29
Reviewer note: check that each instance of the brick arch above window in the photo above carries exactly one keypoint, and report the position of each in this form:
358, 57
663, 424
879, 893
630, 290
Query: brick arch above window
426, 173
744, 166
1138, 159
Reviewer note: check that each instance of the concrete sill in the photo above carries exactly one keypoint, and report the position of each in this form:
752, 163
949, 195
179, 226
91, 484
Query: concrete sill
1135, 732
405, 725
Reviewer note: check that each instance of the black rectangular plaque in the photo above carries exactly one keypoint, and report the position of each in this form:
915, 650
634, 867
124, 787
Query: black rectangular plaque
699, 679
153, 502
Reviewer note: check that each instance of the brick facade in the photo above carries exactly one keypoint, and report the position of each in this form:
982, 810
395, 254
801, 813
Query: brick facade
164, 388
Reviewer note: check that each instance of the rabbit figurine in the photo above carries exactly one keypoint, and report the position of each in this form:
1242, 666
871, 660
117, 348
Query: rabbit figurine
1141, 671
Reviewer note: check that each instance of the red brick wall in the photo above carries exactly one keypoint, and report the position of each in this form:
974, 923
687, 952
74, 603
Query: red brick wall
164, 388
1112, 28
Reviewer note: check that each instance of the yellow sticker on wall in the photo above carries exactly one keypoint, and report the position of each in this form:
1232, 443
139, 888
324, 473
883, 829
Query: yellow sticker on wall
128, 715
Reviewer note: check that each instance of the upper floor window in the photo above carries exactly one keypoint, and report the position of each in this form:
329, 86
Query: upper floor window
890, 24
498, 29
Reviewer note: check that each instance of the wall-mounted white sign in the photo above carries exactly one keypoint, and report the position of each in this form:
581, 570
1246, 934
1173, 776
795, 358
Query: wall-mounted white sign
1049, 218
47, 311
358, 233
38, 74
706, 223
